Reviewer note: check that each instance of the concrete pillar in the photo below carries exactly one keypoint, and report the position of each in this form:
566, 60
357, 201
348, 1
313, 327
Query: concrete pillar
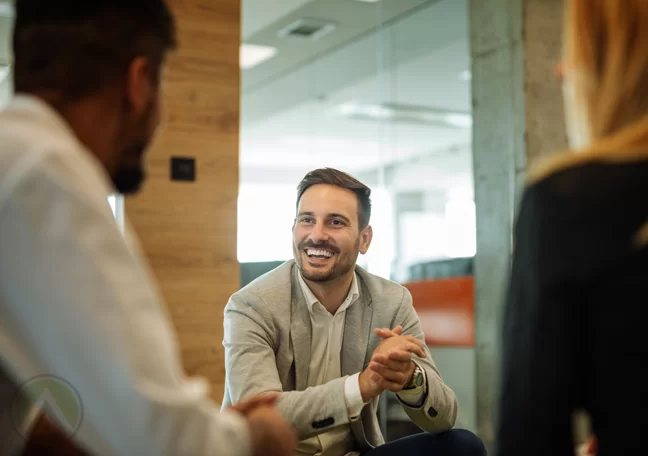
518, 117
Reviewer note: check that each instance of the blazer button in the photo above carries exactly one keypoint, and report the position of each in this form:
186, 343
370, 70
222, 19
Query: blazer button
321, 424
433, 413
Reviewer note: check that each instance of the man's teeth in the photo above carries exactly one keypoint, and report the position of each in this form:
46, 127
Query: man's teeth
319, 253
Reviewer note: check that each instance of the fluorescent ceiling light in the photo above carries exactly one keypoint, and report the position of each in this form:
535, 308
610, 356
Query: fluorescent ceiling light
252, 55
404, 113
368, 1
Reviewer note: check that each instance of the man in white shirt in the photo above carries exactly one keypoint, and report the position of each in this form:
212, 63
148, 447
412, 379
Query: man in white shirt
316, 330
78, 305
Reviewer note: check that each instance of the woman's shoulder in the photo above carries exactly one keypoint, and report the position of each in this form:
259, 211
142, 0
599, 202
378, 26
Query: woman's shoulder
591, 177
585, 199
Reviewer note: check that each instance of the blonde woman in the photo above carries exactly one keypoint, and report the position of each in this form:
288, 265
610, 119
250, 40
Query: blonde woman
575, 333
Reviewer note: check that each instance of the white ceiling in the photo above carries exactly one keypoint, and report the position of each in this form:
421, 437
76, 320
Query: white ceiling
289, 125
350, 19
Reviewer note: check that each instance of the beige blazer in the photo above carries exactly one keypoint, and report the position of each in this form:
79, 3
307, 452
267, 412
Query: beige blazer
267, 343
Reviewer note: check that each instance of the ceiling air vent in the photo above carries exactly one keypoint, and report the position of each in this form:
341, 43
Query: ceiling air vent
311, 29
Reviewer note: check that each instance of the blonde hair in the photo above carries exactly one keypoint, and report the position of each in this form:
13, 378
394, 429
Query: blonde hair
606, 56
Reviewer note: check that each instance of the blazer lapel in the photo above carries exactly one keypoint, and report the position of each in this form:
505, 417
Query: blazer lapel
300, 334
357, 329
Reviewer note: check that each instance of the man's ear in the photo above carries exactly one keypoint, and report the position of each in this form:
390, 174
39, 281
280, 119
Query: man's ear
366, 235
139, 84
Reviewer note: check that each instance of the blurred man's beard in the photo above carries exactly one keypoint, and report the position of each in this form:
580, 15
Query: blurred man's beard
129, 176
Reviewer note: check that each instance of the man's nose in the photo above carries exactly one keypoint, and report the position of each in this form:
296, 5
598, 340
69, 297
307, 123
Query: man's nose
319, 233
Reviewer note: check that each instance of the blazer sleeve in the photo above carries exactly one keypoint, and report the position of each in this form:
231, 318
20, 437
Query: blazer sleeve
542, 337
438, 411
251, 369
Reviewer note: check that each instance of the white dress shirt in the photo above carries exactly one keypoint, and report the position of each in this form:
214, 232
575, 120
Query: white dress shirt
77, 300
325, 365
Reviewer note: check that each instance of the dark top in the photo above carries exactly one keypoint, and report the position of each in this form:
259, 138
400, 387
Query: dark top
575, 326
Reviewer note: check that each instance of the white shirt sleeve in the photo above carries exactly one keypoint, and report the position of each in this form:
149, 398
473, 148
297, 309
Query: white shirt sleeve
353, 396
77, 301
414, 397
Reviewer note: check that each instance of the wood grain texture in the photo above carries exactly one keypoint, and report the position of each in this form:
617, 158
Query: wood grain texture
188, 229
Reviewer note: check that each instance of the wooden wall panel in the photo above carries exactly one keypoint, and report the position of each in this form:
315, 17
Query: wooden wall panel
188, 230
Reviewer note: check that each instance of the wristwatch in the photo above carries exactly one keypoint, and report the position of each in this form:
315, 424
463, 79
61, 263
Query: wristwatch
417, 379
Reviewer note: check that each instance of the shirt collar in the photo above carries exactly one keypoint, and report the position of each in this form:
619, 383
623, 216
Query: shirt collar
311, 300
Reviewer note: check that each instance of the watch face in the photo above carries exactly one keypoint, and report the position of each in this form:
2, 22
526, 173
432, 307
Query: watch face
418, 379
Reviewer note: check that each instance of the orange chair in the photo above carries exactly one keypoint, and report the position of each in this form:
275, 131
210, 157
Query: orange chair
446, 310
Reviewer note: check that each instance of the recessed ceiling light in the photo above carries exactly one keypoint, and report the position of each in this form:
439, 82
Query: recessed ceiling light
307, 28
252, 55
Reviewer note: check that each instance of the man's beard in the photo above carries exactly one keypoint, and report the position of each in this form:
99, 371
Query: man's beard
129, 177
339, 268
326, 276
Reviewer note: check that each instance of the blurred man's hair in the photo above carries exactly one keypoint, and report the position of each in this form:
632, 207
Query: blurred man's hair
77, 47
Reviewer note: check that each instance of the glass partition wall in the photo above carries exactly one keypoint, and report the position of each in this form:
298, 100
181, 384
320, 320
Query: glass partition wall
380, 89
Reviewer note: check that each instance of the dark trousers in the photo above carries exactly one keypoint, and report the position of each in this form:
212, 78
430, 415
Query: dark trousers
456, 442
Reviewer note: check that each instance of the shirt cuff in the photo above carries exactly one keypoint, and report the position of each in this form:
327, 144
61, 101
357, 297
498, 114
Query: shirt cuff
237, 429
414, 397
353, 396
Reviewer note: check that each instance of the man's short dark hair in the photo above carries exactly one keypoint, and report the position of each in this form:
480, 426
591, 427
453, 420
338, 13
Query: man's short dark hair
77, 47
330, 176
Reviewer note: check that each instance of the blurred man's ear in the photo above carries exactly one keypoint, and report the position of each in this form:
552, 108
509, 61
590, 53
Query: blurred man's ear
139, 84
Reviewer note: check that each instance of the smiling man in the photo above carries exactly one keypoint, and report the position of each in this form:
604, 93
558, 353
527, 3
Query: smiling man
316, 330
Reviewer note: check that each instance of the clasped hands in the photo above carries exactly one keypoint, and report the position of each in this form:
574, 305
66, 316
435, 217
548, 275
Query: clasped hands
270, 434
391, 366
